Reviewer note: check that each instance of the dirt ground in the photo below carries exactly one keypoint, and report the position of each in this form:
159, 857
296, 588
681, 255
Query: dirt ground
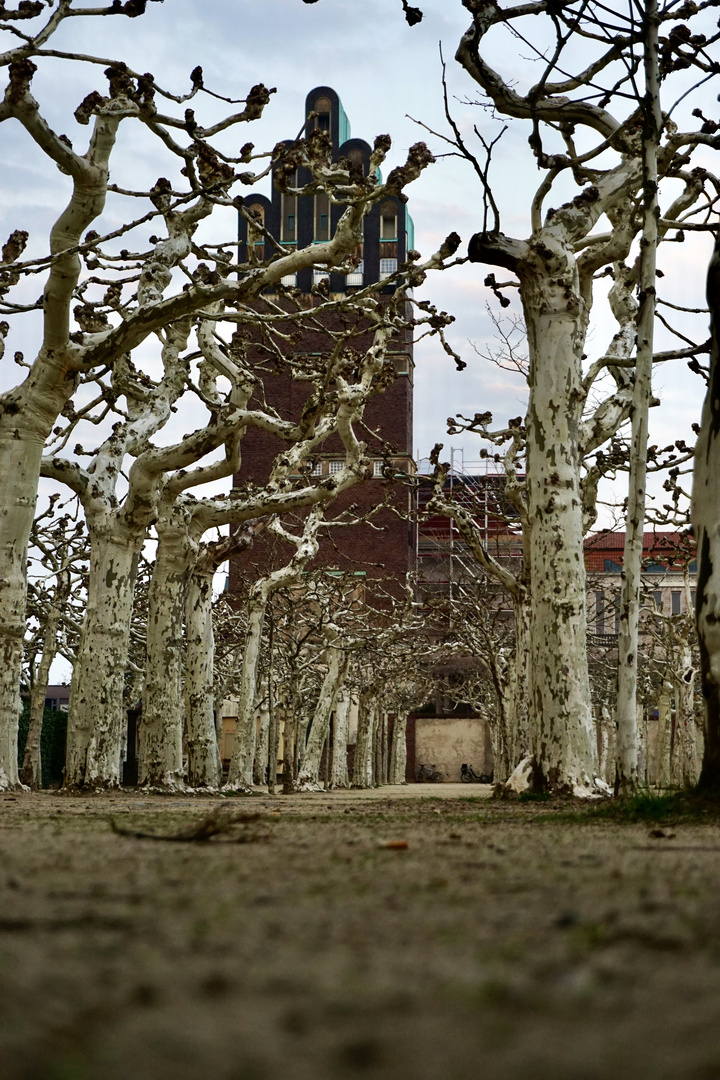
502, 941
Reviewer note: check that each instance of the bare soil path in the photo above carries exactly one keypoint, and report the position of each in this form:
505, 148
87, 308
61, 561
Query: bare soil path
502, 941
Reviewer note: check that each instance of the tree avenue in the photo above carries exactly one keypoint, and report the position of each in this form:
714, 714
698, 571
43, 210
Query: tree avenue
130, 329
163, 338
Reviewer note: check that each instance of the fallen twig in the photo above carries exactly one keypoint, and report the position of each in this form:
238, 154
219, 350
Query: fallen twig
219, 822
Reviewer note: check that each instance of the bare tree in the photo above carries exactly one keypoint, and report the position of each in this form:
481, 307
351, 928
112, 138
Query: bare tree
554, 270
123, 297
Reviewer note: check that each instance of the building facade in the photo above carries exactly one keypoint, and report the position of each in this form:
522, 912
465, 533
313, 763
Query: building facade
387, 549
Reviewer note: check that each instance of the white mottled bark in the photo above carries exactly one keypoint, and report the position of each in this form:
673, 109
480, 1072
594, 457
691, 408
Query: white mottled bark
97, 721
398, 751
664, 735
19, 467
684, 762
562, 742
338, 766
338, 663
27, 413
306, 548
605, 761
204, 766
363, 764
160, 752
241, 764
626, 777
260, 764
706, 525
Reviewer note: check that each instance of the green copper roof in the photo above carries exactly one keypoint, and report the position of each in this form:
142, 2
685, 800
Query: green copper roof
343, 124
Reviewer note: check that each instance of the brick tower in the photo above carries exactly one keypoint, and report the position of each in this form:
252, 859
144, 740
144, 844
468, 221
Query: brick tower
388, 235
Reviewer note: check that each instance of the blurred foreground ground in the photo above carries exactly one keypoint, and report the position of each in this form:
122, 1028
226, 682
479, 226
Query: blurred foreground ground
504, 941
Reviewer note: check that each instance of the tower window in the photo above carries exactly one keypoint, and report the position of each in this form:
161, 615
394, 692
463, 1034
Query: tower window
322, 216
388, 221
336, 467
323, 106
387, 267
676, 602
288, 226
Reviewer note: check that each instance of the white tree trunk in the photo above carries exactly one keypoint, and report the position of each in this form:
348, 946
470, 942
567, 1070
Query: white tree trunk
20, 453
260, 764
628, 644
338, 663
685, 749
706, 525
398, 752
27, 414
664, 775
241, 764
338, 766
606, 764
161, 729
562, 742
363, 764
97, 719
203, 741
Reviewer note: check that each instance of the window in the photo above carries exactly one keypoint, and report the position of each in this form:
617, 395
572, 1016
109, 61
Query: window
658, 600
675, 602
599, 613
692, 598
378, 468
387, 267
323, 106
388, 221
616, 607
290, 280
322, 217
288, 214
320, 275
317, 469
336, 467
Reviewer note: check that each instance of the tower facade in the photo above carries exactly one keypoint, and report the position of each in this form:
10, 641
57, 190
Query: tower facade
385, 550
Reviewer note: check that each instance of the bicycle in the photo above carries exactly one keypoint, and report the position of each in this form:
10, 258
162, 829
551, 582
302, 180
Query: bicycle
428, 774
469, 776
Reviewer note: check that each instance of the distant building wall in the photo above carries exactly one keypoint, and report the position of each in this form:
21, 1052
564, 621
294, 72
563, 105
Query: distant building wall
448, 742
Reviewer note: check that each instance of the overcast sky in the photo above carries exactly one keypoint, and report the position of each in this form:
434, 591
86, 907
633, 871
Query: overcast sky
383, 70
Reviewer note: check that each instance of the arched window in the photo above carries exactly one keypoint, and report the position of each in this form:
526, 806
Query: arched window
357, 158
323, 107
388, 221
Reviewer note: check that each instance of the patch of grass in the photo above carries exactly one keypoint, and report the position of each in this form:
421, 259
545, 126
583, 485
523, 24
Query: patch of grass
645, 806
534, 796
